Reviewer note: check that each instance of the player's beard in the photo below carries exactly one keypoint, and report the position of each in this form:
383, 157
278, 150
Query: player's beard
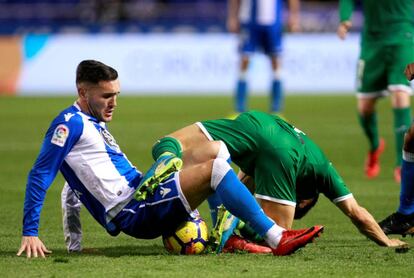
95, 113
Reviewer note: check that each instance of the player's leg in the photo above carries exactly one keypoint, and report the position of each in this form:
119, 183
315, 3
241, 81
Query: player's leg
72, 229
272, 45
399, 56
188, 144
402, 221
196, 186
371, 84
248, 41
241, 86
276, 93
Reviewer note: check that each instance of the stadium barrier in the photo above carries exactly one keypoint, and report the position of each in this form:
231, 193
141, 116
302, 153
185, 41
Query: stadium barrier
174, 63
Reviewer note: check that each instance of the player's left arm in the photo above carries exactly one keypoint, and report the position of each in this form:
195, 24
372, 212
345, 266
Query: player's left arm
346, 8
366, 223
294, 15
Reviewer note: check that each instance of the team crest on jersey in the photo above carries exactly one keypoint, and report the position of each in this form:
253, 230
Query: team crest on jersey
110, 140
60, 135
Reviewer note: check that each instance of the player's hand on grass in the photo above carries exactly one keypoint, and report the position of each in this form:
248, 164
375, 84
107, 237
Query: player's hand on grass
409, 71
33, 247
343, 29
394, 242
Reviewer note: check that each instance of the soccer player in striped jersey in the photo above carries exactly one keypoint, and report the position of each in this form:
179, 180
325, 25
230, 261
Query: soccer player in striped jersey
387, 45
259, 24
79, 145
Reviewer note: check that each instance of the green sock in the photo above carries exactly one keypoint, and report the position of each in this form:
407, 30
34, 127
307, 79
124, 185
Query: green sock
248, 233
402, 121
370, 127
166, 144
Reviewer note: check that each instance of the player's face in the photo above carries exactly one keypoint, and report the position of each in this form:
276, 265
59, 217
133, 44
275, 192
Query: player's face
101, 99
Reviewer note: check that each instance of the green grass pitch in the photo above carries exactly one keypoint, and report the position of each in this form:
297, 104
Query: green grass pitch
331, 121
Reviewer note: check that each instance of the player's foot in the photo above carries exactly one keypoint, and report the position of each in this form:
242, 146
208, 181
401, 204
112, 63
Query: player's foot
224, 228
398, 224
397, 174
292, 240
236, 244
372, 166
165, 165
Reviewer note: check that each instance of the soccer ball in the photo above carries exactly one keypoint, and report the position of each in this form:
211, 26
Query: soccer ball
190, 238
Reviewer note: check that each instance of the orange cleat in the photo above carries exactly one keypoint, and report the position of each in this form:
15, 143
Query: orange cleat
372, 167
397, 174
236, 243
292, 240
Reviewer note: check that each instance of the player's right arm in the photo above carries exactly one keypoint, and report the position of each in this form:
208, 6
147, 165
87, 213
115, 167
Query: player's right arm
346, 8
366, 223
233, 22
409, 71
58, 141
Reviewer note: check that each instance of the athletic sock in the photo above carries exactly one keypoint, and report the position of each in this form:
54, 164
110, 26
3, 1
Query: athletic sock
237, 198
370, 128
402, 120
166, 144
273, 236
407, 184
276, 96
241, 95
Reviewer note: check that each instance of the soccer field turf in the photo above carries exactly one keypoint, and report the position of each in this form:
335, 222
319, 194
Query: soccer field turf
331, 121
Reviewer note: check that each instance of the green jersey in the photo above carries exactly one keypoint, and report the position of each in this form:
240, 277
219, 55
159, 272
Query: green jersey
279, 157
386, 21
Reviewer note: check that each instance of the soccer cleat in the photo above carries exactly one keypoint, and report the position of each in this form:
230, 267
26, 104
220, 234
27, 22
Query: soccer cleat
397, 174
166, 164
224, 228
239, 244
292, 240
398, 224
372, 166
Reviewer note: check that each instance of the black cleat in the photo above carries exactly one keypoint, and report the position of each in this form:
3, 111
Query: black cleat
398, 224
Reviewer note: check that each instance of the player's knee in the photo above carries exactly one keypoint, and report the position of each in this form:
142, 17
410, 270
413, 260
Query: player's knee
220, 168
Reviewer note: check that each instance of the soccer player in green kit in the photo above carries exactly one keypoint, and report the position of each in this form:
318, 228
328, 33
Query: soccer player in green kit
283, 167
387, 46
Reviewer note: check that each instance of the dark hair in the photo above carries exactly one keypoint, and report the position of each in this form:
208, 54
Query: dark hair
94, 71
305, 191
302, 211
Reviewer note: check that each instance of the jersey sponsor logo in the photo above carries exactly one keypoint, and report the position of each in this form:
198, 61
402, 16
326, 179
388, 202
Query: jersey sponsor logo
68, 116
110, 140
164, 191
60, 135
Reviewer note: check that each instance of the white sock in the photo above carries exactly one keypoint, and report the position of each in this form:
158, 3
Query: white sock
273, 235
407, 156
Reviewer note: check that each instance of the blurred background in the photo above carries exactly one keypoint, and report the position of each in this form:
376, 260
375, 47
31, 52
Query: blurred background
164, 47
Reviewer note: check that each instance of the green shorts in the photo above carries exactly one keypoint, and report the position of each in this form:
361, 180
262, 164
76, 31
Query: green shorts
381, 69
277, 155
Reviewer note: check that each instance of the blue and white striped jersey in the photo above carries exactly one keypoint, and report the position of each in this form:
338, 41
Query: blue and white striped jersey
91, 162
261, 12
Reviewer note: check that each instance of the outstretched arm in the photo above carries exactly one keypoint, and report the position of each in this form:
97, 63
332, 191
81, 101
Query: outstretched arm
366, 223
